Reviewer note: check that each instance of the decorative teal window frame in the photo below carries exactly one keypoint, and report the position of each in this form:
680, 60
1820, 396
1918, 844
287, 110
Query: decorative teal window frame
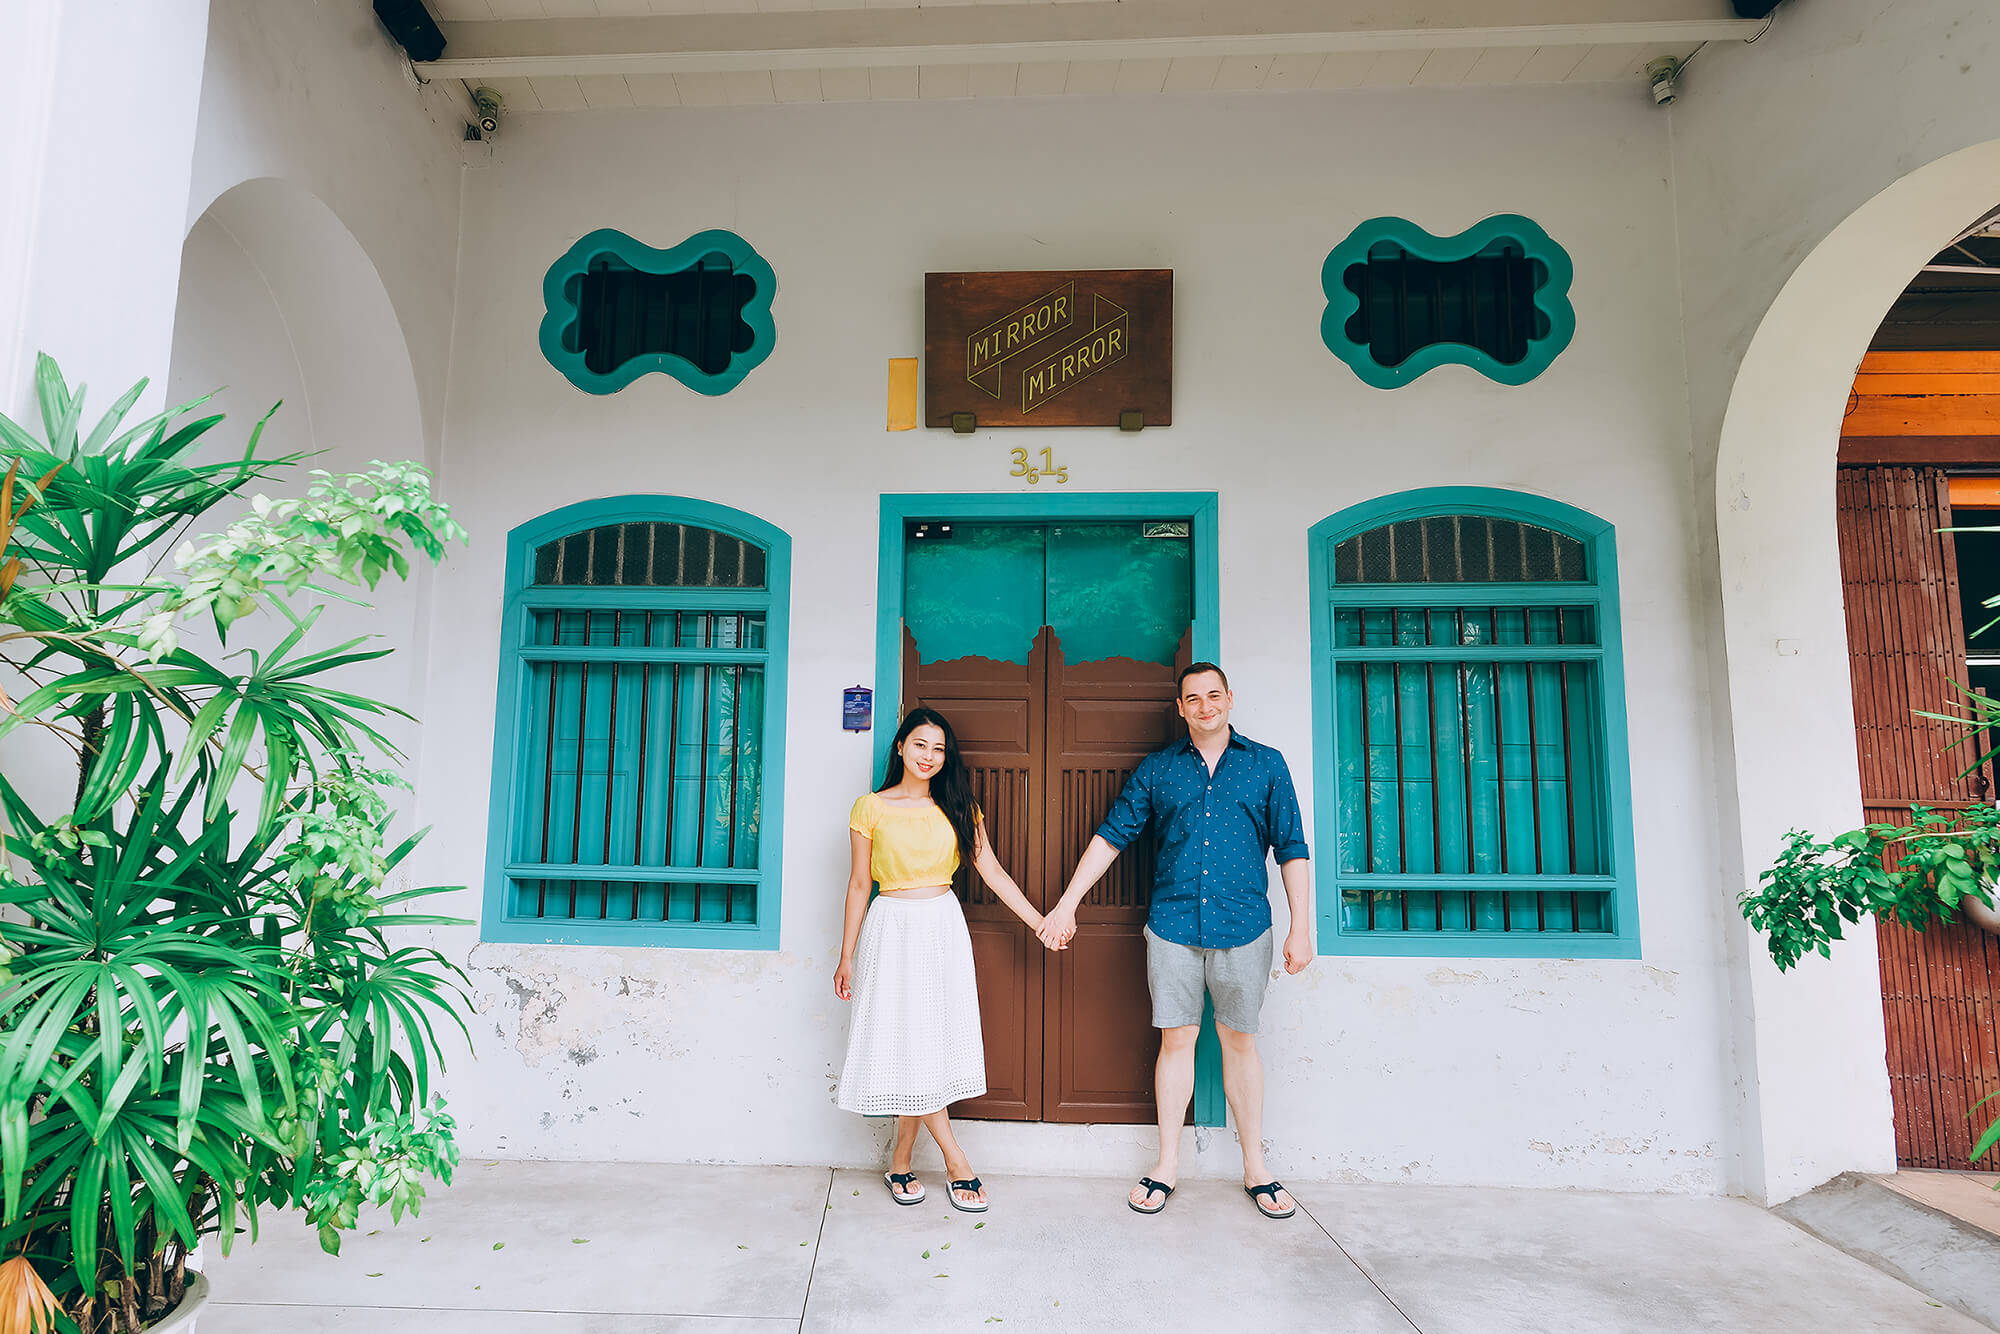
562, 286
514, 725
1599, 594
1551, 299
1199, 508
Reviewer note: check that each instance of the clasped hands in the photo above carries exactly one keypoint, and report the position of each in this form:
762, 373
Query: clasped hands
1059, 926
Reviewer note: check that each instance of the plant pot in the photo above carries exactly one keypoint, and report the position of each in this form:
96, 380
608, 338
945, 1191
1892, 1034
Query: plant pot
182, 1319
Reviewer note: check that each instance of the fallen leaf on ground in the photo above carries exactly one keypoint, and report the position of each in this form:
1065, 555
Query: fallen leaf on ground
376, 1274
977, 1226
499, 1245
945, 1247
927, 1255
579, 1241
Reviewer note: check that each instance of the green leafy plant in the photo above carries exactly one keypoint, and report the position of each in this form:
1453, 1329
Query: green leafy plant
1915, 873
204, 1009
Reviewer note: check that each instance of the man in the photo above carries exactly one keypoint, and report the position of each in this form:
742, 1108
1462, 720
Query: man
1219, 803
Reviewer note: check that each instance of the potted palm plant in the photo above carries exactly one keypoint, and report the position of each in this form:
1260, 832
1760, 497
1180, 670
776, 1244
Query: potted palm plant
206, 1008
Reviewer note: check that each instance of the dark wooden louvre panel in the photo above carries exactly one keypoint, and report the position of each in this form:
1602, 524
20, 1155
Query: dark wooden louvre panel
1459, 549
1906, 645
1486, 301
650, 555
695, 314
1906, 639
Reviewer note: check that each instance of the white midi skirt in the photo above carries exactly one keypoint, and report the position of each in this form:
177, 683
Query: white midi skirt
914, 1047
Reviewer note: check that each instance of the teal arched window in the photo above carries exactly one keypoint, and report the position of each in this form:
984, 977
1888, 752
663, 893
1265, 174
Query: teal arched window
1469, 729
638, 753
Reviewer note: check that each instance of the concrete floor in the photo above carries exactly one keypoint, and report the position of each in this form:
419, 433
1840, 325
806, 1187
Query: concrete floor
592, 1248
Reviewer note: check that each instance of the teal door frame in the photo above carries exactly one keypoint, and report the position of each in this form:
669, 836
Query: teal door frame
1196, 508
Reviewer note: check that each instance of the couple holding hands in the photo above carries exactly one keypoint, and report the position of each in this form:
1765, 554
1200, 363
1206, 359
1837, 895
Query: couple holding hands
1219, 804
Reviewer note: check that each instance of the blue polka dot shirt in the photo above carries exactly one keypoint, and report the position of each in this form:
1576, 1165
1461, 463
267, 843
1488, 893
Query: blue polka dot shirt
1209, 883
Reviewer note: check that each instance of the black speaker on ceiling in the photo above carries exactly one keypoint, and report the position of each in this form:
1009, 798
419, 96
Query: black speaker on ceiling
412, 26
1745, 9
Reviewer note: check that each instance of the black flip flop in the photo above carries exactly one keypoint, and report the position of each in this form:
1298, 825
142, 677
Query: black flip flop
951, 1194
1270, 1188
905, 1180
1165, 1191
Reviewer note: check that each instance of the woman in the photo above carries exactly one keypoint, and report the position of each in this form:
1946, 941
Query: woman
915, 1046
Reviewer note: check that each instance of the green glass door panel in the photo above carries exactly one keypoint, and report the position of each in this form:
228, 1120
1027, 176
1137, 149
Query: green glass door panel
1115, 593
976, 593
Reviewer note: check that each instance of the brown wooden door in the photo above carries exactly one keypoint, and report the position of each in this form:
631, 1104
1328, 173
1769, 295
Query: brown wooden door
1906, 647
1068, 1036
1103, 718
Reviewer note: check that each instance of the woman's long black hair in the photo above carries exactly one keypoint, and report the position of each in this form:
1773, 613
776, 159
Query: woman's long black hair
951, 787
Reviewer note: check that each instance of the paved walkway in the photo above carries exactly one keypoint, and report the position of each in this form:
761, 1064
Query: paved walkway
597, 1248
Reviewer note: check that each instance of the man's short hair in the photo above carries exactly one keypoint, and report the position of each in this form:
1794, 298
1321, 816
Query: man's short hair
1196, 669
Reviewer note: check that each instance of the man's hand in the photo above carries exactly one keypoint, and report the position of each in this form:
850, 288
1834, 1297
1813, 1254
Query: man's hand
1057, 928
1298, 951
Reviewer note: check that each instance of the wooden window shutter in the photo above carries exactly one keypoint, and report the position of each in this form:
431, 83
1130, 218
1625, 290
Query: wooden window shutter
1906, 640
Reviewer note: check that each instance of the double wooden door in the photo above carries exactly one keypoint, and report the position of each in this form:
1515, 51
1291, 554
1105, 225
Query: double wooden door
1053, 651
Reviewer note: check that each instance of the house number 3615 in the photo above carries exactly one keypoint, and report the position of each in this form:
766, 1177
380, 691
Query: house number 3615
1033, 474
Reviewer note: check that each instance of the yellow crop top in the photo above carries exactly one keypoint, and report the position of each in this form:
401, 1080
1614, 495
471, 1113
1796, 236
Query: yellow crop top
911, 846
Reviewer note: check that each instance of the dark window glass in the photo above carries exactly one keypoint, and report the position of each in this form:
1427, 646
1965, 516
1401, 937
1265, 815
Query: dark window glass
1486, 301
1459, 549
695, 314
650, 555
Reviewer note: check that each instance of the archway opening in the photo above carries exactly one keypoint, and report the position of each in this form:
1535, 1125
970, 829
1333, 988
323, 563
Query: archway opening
1816, 1082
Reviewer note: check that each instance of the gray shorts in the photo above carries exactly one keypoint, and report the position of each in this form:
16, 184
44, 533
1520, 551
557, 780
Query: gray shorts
1178, 974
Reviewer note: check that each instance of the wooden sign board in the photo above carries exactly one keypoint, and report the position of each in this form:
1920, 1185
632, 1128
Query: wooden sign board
1080, 347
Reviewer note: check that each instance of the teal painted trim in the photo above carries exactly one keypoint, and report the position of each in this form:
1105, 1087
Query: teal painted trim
1601, 561
513, 712
1197, 507
574, 598
559, 297
1552, 298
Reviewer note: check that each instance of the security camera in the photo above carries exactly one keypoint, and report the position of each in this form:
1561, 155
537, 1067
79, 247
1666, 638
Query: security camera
1664, 75
487, 103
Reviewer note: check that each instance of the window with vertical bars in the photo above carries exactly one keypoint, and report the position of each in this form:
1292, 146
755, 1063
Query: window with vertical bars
1469, 736
1406, 303
643, 660
695, 314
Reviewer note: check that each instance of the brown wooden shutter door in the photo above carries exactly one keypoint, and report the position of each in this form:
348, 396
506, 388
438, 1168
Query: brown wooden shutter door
1906, 647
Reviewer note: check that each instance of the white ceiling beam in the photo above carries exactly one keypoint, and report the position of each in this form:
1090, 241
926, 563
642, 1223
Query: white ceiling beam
1089, 32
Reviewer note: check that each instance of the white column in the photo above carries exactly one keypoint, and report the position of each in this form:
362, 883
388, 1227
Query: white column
98, 102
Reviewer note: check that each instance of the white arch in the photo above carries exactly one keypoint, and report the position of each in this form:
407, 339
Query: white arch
342, 327
1816, 1090
279, 300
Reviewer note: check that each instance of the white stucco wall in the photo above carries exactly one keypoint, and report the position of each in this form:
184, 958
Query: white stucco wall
1601, 1074
1779, 146
320, 269
318, 95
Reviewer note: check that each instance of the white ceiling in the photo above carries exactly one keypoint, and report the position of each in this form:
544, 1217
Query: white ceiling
568, 55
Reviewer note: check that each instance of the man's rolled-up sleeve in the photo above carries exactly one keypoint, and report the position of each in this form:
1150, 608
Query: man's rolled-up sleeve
1287, 828
1128, 816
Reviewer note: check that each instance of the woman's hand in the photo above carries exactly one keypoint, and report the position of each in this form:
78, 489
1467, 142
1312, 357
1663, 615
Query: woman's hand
843, 980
